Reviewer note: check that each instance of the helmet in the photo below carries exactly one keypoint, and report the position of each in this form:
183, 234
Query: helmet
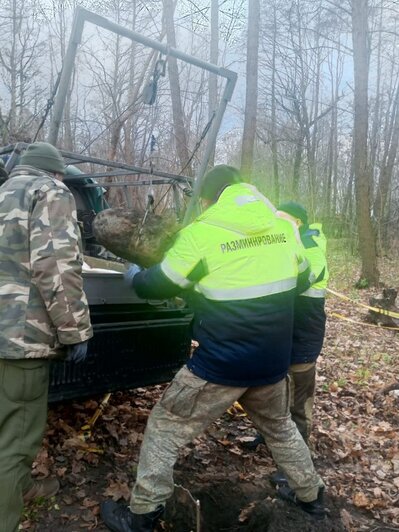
217, 179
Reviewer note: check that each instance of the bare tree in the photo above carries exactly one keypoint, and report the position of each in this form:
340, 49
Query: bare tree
213, 56
178, 115
273, 132
20, 53
361, 43
251, 97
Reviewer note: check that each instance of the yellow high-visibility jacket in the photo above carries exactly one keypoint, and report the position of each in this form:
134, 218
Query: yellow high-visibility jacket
310, 316
238, 264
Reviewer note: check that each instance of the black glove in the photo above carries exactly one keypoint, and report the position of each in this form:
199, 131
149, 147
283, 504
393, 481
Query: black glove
77, 352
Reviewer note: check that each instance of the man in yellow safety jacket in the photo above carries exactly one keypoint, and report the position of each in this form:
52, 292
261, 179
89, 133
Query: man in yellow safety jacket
240, 266
310, 319
309, 325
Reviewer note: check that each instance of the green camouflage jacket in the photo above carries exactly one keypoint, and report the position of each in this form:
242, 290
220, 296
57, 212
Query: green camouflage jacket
42, 303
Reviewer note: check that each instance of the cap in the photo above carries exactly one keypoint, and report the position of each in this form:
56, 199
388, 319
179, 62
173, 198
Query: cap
294, 209
217, 179
43, 156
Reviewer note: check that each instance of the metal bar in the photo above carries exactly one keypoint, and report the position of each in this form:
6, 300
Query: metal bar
10, 147
121, 326
75, 181
131, 170
98, 20
66, 74
125, 169
17, 149
123, 166
193, 204
99, 175
81, 16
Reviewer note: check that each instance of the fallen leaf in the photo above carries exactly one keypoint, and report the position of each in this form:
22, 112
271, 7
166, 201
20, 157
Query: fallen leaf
246, 512
360, 500
89, 503
117, 490
346, 519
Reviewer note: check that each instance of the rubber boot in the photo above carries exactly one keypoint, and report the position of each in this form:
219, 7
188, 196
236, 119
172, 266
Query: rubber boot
314, 508
253, 444
41, 488
278, 479
119, 518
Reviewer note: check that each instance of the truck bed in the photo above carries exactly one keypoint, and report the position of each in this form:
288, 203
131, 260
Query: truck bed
136, 343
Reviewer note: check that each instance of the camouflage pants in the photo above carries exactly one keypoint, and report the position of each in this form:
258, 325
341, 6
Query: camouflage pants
188, 406
23, 415
303, 384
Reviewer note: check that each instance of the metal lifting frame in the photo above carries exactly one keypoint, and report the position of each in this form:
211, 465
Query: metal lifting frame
83, 15
119, 169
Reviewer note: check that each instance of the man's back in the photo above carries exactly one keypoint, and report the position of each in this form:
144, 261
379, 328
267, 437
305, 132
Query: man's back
42, 301
241, 264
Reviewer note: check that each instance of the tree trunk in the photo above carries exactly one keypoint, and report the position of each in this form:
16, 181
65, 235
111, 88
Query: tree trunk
296, 174
276, 182
367, 246
13, 73
129, 148
213, 57
177, 108
251, 98
67, 122
387, 166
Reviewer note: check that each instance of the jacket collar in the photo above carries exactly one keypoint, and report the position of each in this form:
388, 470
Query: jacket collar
21, 170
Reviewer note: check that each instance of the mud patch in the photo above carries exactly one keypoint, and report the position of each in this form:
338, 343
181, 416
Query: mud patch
227, 507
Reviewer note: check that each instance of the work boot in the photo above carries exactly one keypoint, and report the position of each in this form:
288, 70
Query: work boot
278, 479
41, 488
314, 508
119, 518
253, 444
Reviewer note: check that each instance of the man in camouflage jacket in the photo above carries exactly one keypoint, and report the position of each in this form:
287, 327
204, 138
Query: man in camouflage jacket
43, 314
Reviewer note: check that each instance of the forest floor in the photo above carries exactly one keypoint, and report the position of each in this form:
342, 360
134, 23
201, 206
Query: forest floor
355, 442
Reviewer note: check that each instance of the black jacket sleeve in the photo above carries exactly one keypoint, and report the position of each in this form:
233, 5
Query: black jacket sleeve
154, 284
303, 282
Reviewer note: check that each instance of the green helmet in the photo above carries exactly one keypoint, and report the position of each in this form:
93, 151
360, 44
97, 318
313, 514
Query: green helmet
217, 179
294, 209
43, 156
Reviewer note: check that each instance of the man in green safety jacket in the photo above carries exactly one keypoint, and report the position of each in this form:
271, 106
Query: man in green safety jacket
309, 324
309, 320
240, 266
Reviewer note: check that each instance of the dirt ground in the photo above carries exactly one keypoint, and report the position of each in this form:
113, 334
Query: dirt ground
230, 482
355, 444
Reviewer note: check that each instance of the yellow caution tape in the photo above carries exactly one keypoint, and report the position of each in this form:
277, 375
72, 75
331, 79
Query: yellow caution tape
85, 431
236, 410
94, 450
336, 315
374, 309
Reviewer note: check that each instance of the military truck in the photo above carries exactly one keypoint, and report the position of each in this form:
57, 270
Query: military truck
135, 343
